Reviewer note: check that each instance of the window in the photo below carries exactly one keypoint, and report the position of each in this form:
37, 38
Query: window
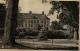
42, 21
34, 21
47, 25
26, 24
31, 25
31, 21
37, 21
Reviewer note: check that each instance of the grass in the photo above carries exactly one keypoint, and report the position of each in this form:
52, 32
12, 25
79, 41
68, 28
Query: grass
47, 45
28, 45
16, 46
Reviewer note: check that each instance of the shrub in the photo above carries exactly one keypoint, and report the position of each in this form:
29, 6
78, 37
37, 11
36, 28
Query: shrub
33, 33
42, 35
21, 32
56, 35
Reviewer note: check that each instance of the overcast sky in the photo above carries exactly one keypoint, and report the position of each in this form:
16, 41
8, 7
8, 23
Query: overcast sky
36, 6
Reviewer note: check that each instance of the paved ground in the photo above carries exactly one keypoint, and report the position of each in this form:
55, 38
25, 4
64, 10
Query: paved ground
56, 43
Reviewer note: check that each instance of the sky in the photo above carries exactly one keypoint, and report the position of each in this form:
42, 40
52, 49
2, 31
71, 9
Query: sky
1, 1
36, 6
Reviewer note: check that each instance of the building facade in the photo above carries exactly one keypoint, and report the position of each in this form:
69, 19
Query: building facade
32, 20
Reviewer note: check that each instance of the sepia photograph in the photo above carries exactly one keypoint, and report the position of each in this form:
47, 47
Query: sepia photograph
39, 25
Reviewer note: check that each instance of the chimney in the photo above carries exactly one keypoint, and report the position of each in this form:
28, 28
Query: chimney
30, 12
43, 12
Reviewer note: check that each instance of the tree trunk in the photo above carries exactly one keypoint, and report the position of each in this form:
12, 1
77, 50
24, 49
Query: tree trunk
76, 33
14, 20
72, 32
7, 29
10, 23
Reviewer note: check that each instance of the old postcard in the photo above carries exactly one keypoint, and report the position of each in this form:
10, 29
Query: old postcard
39, 25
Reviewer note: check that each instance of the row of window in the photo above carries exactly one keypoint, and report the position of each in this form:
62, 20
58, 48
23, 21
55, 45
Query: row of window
36, 21
33, 25
32, 21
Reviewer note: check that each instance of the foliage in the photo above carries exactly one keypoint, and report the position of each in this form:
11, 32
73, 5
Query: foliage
68, 12
44, 1
42, 35
38, 26
21, 31
57, 35
33, 33
56, 25
20, 18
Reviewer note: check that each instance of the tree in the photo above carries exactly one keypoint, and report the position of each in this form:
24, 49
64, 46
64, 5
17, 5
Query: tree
56, 25
14, 19
20, 18
42, 34
68, 13
21, 32
10, 23
38, 27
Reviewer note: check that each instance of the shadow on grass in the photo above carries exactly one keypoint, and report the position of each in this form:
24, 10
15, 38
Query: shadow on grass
16, 46
70, 48
19, 46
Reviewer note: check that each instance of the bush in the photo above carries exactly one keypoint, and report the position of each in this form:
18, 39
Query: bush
33, 33
50, 34
56, 35
21, 32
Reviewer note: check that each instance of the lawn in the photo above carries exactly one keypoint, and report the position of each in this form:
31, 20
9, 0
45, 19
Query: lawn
49, 44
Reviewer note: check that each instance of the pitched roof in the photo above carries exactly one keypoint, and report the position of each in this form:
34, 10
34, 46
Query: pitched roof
32, 16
